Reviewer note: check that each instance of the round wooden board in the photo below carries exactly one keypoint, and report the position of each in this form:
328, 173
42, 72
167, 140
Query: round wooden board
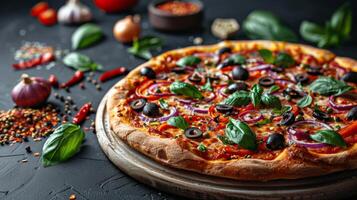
196, 186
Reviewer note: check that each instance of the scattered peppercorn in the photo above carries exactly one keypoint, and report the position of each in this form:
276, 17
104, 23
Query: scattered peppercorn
28, 149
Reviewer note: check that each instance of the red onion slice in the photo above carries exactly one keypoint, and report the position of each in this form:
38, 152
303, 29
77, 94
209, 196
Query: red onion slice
222, 93
244, 116
339, 107
173, 112
153, 87
260, 67
190, 101
295, 136
197, 110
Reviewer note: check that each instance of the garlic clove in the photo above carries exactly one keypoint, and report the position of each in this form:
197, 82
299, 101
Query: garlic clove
74, 12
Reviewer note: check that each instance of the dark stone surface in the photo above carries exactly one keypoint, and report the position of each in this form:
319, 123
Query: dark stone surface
90, 175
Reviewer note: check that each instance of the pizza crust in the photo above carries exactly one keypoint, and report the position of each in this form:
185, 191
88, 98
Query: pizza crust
294, 162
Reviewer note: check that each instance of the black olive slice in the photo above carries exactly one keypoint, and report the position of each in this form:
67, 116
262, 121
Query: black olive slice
275, 141
224, 50
266, 81
195, 78
223, 108
302, 78
148, 72
352, 114
278, 69
239, 73
178, 70
193, 133
350, 77
236, 87
314, 70
287, 119
292, 93
318, 114
138, 104
151, 110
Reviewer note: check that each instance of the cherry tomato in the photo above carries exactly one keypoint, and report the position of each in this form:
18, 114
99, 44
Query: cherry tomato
111, 6
39, 8
48, 17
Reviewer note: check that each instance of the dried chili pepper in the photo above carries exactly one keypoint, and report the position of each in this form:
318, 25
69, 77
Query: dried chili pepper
77, 77
53, 80
82, 113
111, 74
43, 59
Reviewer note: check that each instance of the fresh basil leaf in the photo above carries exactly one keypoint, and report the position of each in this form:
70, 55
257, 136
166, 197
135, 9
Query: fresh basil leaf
239, 98
267, 55
265, 25
271, 101
80, 62
284, 60
207, 86
62, 144
256, 94
163, 104
178, 122
329, 86
273, 88
282, 110
263, 122
305, 101
86, 35
188, 61
224, 139
239, 133
201, 147
341, 21
142, 47
329, 137
185, 89
312, 32
236, 59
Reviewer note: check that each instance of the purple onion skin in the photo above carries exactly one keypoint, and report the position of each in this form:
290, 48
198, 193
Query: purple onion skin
31, 92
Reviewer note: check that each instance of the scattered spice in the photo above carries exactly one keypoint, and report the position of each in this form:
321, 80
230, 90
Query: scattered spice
179, 7
72, 197
83, 112
224, 28
76, 78
111, 74
36, 154
19, 123
28, 149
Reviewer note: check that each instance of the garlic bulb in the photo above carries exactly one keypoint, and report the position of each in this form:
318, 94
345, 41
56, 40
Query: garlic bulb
74, 12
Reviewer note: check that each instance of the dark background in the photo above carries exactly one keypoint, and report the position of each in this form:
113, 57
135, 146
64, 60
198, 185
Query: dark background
90, 175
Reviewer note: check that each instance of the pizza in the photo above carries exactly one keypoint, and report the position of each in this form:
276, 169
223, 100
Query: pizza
244, 110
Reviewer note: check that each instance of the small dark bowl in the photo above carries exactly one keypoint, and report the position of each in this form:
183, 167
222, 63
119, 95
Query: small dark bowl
168, 22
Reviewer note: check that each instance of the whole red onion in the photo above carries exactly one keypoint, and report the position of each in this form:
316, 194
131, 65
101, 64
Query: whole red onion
31, 91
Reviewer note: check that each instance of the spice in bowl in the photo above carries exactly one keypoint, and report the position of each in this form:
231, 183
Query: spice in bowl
179, 7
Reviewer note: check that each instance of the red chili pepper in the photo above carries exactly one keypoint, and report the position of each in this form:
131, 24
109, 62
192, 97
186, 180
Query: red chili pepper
43, 59
76, 78
111, 74
53, 81
82, 113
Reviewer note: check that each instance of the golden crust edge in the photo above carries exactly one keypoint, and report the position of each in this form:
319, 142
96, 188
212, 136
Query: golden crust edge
168, 152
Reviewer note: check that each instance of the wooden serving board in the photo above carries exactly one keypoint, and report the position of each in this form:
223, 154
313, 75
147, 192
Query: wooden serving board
196, 186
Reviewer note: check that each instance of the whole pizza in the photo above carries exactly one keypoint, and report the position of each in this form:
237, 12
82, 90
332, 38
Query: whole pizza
245, 110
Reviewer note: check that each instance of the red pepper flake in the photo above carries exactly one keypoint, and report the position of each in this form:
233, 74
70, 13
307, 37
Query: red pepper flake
179, 7
112, 74
19, 123
76, 78
53, 80
82, 114
42, 59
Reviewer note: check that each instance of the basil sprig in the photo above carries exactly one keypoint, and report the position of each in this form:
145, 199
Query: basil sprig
264, 25
80, 62
239, 98
305, 101
239, 133
281, 59
86, 35
142, 47
335, 30
207, 86
271, 101
273, 88
328, 137
256, 94
163, 104
329, 86
185, 89
235, 59
178, 122
188, 61
62, 144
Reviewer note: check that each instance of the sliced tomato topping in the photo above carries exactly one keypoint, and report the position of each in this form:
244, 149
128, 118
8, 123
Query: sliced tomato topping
349, 130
